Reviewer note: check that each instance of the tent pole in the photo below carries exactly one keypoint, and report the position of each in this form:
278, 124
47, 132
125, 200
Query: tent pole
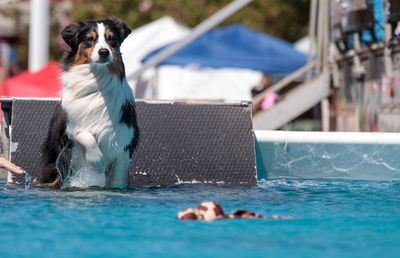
326, 36
38, 34
320, 32
200, 29
311, 34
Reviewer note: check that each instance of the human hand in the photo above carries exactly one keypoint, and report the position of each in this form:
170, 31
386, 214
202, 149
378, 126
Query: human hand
11, 166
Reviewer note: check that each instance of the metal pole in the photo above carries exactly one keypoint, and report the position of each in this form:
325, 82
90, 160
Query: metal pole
387, 52
325, 114
38, 34
203, 27
311, 34
319, 37
326, 35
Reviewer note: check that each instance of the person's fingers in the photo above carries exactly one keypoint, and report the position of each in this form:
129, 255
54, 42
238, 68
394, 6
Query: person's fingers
17, 170
11, 167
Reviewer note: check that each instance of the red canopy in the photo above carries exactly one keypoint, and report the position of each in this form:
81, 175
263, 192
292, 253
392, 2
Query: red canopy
43, 83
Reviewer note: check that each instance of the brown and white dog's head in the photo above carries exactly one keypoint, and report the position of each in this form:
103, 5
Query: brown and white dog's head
95, 42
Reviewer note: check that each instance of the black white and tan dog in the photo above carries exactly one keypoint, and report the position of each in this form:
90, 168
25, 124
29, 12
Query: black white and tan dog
94, 130
210, 210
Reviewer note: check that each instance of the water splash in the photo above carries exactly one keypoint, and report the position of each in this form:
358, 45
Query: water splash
61, 166
28, 180
76, 171
85, 177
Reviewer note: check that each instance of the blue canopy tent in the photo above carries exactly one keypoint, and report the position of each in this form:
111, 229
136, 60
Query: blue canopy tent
238, 46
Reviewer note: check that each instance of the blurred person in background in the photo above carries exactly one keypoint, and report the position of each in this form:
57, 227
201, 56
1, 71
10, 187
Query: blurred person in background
269, 99
9, 65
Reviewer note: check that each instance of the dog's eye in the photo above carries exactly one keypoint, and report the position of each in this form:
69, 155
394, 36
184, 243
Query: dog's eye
111, 38
89, 38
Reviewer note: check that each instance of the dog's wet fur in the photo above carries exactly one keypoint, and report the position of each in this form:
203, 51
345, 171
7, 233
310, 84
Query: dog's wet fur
96, 119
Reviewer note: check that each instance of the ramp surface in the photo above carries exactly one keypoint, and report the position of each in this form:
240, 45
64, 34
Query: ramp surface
179, 142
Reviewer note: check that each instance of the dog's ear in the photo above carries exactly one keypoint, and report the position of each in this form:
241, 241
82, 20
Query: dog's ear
123, 29
70, 34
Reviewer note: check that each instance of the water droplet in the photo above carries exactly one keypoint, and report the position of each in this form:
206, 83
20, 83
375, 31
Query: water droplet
28, 180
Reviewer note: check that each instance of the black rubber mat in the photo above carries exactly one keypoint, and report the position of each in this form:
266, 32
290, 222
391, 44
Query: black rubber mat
29, 125
179, 142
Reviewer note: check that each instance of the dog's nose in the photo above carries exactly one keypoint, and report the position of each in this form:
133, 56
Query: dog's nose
104, 52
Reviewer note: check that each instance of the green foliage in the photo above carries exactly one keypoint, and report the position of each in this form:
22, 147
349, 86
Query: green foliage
285, 19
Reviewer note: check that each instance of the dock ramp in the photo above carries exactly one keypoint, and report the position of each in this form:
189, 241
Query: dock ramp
209, 143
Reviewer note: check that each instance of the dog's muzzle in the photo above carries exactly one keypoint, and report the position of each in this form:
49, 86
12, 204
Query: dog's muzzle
104, 55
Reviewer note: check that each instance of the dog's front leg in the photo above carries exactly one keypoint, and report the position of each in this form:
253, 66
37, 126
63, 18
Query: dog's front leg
118, 175
91, 150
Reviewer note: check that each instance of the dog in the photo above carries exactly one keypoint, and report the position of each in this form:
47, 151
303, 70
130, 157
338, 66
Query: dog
94, 129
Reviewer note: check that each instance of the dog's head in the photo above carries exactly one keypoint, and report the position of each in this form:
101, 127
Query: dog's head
94, 41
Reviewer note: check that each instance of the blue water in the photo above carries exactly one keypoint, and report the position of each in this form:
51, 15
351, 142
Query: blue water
334, 219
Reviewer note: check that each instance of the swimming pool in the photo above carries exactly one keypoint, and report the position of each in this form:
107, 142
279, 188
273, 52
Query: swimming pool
333, 217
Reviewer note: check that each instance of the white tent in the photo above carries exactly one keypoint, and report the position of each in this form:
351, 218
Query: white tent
303, 46
147, 38
206, 83
170, 82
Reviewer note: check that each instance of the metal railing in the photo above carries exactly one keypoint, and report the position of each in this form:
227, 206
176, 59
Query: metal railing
319, 32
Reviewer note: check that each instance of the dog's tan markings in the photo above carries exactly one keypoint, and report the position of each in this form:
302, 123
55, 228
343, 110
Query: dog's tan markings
108, 34
81, 57
83, 54
56, 184
89, 51
93, 34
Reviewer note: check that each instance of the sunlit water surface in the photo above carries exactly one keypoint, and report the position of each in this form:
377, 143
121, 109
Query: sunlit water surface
334, 218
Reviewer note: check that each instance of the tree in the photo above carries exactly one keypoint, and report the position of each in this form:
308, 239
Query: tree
286, 19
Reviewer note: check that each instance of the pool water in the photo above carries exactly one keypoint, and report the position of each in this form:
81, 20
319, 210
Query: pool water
333, 218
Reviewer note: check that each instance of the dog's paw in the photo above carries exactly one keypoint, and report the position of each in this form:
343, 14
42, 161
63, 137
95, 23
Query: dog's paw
95, 160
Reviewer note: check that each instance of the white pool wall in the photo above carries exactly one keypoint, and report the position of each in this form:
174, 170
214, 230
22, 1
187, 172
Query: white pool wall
327, 137
328, 155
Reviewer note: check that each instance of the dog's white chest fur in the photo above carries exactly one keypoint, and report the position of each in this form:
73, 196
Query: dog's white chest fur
92, 99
